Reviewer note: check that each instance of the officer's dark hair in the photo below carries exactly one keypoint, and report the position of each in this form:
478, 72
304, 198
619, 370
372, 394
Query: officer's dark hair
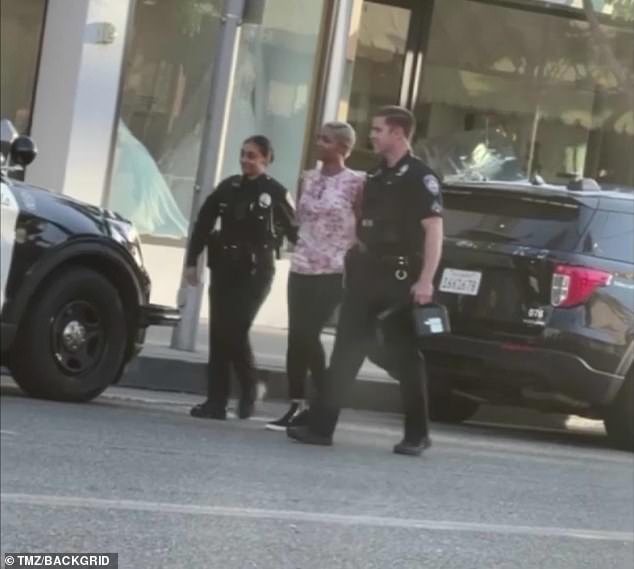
399, 117
265, 146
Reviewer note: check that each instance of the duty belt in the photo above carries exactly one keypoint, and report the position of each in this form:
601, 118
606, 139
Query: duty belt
402, 265
245, 252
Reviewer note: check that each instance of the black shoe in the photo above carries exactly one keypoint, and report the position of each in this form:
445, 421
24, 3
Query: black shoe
412, 448
304, 435
245, 409
286, 420
208, 411
301, 419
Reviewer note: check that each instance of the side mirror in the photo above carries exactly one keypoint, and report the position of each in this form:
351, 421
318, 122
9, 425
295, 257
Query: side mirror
23, 151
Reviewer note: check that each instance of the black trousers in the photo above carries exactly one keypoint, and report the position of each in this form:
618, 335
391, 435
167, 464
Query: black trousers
370, 289
311, 301
235, 297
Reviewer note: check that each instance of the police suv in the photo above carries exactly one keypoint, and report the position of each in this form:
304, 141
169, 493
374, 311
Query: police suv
538, 280
74, 292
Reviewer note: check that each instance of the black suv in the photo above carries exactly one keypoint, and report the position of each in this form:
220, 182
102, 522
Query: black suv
539, 283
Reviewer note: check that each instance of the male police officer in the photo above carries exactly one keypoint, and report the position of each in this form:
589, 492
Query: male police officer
400, 234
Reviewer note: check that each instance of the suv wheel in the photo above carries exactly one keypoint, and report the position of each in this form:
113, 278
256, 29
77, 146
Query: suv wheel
619, 420
73, 339
447, 407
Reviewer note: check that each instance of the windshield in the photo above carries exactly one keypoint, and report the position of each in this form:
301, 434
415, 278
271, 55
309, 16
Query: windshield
481, 214
490, 155
474, 156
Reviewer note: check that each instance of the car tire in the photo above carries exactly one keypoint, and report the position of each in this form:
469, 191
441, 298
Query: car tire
619, 420
450, 408
72, 343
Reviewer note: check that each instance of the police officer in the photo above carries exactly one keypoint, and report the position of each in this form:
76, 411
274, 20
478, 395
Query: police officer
242, 224
399, 234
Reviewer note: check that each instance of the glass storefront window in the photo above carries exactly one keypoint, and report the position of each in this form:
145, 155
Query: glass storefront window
528, 93
274, 80
167, 78
380, 44
165, 93
20, 40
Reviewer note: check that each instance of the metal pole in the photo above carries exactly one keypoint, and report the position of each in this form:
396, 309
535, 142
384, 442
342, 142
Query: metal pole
337, 61
210, 161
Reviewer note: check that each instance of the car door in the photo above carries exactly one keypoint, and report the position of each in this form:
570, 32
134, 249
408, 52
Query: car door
10, 212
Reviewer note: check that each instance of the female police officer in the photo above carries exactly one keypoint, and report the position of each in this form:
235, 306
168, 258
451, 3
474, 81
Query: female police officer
242, 224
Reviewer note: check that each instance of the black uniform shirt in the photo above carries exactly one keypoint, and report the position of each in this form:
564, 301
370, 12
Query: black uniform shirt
245, 212
395, 201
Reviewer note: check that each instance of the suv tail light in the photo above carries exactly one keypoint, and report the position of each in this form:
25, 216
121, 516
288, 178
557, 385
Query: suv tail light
572, 286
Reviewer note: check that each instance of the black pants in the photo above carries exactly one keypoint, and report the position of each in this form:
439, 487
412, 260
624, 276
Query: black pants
311, 301
372, 288
235, 297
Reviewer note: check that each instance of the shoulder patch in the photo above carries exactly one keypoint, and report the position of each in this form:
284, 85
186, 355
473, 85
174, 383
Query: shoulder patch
432, 184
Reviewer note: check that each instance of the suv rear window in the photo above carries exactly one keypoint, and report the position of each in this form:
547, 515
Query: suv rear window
515, 217
611, 236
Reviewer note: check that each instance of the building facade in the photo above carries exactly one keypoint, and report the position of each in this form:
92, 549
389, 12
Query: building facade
115, 92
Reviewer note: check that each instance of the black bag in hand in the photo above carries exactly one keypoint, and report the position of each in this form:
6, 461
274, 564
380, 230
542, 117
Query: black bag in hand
430, 319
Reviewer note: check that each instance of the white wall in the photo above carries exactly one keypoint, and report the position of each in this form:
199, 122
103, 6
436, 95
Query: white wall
165, 264
76, 97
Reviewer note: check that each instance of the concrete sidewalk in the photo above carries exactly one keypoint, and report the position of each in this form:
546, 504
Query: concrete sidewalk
161, 368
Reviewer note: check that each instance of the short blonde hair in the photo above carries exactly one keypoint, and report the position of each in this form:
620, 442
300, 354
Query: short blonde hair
344, 134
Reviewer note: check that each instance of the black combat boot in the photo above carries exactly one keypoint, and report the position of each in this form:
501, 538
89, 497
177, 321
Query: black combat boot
319, 425
303, 434
412, 448
288, 419
208, 410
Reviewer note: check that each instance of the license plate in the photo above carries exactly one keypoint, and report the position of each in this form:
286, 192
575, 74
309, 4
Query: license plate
460, 282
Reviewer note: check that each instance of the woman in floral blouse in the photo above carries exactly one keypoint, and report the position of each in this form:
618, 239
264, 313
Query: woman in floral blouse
326, 215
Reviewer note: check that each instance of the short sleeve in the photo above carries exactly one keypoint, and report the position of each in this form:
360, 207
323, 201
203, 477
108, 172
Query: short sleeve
428, 196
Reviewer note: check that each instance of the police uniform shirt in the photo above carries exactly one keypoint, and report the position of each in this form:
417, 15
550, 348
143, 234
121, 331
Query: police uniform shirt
395, 201
251, 213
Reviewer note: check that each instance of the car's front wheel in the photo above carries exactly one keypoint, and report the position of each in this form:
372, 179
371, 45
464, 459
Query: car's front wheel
72, 343
619, 420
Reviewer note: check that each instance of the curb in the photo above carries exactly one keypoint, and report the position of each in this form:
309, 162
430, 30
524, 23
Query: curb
159, 372
155, 373
184, 376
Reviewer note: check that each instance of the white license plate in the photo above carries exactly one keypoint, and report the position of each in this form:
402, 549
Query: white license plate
461, 282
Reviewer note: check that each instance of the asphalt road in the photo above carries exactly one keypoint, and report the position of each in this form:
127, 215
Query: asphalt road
132, 473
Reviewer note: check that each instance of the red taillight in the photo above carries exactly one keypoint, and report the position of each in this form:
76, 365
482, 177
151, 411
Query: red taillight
574, 285
511, 347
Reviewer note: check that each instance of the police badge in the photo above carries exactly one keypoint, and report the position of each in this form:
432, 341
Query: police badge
403, 169
265, 200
